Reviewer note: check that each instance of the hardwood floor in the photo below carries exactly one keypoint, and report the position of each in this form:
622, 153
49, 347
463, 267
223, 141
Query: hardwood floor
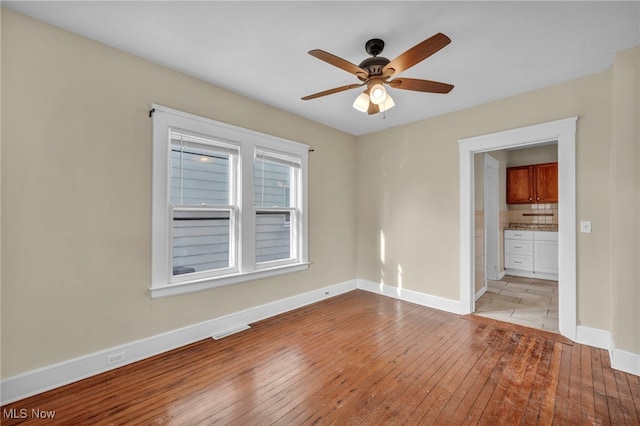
358, 358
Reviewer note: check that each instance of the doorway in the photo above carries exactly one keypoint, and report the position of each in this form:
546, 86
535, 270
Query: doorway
562, 131
509, 295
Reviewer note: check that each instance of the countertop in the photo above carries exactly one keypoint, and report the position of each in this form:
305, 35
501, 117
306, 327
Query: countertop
532, 227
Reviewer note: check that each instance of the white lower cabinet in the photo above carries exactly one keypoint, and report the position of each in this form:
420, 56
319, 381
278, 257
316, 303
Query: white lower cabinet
545, 252
518, 250
531, 254
524, 263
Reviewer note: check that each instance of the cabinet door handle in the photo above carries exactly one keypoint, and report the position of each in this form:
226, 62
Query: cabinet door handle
538, 198
517, 247
517, 262
517, 235
530, 198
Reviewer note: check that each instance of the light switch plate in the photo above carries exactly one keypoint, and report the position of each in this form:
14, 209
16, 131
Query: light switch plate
585, 226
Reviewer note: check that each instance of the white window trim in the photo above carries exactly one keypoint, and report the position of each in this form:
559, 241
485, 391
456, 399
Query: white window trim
165, 118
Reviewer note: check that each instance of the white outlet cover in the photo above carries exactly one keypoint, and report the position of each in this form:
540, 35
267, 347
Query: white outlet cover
585, 226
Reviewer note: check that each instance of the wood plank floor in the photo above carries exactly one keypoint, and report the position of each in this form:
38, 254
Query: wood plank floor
358, 358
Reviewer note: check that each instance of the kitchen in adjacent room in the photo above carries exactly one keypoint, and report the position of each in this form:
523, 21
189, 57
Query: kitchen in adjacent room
516, 232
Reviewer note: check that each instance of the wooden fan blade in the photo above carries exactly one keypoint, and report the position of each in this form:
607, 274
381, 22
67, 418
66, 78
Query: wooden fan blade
339, 62
373, 108
420, 85
331, 91
417, 53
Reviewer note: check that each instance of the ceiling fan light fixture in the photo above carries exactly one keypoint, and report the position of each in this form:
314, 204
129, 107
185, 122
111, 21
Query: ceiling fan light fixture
387, 104
362, 102
378, 93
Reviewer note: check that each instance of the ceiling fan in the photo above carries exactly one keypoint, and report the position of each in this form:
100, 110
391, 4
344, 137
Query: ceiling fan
375, 72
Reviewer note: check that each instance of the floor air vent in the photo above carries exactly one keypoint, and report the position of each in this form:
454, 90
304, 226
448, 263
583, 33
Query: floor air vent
231, 331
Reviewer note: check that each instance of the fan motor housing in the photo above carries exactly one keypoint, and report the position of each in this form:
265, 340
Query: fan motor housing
373, 66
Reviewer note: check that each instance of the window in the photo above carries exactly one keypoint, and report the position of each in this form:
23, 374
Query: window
229, 204
203, 206
275, 180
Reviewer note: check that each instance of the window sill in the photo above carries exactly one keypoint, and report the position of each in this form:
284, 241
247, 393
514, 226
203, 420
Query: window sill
208, 283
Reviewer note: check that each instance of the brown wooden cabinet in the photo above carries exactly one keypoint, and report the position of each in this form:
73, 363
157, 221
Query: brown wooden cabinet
537, 183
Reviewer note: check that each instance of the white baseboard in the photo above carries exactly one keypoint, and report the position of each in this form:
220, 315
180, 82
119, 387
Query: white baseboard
498, 277
628, 362
423, 299
481, 292
527, 274
56, 375
594, 337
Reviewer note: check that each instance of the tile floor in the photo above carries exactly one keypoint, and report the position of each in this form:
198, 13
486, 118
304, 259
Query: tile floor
524, 301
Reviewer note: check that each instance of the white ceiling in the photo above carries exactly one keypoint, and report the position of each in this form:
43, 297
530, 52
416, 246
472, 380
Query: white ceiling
259, 49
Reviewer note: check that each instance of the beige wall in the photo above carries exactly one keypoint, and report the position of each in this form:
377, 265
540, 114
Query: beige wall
502, 156
625, 196
409, 188
76, 197
534, 155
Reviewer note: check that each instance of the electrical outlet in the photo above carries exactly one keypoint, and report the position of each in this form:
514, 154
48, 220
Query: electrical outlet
585, 226
115, 358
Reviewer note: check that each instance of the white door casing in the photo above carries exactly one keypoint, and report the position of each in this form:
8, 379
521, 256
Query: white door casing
564, 133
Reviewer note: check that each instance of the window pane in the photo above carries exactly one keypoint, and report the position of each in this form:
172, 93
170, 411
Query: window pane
273, 236
271, 184
200, 241
199, 175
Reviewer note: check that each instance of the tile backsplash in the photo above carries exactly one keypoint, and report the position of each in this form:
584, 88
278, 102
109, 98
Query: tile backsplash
533, 213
